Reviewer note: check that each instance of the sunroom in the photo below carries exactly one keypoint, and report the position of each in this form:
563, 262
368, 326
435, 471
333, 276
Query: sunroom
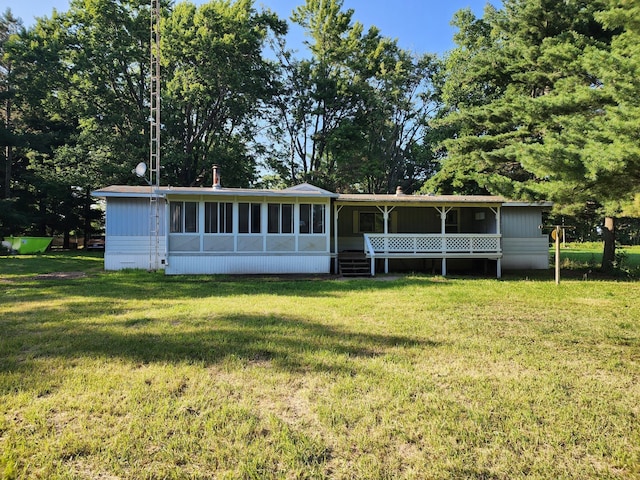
249, 231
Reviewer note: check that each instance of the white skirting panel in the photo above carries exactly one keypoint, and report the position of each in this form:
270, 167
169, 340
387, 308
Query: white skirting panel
247, 265
116, 261
131, 252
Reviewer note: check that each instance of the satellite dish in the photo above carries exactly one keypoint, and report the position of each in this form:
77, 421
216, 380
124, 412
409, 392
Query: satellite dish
140, 170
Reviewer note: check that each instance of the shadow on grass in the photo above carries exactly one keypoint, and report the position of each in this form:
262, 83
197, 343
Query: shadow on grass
136, 284
286, 343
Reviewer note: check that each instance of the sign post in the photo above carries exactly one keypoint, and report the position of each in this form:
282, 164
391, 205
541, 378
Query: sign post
555, 234
558, 232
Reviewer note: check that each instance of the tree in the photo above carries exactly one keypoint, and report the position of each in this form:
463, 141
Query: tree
353, 115
530, 123
217, 83
384, 145
106, 54
80, 86
321, 93
613, 149
9, 26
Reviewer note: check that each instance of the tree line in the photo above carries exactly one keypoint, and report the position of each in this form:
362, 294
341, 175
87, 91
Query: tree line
538, 99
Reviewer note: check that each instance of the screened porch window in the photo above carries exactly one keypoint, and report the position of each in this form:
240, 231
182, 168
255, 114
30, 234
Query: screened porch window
218, 217
280, 218
184, 217
249, 217
311, 218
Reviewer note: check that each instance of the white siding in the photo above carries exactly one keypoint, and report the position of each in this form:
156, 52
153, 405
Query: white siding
523, 244
131, 216
250, 264
525, 253
184, 243
521, 222
250, 243
218, 243
129, 252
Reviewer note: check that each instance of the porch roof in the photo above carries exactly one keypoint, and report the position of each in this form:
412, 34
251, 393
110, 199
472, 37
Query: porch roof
422, 200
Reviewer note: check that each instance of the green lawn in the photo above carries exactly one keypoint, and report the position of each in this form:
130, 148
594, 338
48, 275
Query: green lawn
588, 256
134, 375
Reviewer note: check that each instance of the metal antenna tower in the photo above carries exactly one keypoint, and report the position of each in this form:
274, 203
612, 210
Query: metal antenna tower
154, 143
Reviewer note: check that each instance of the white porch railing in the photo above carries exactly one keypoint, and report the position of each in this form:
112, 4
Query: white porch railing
431, 245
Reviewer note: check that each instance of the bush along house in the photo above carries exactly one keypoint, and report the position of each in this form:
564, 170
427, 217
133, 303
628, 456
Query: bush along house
308, 230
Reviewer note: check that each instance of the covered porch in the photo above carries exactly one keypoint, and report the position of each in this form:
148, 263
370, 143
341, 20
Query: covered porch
388, 229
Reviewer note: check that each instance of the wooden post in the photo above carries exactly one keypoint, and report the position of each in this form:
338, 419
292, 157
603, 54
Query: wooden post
557, 232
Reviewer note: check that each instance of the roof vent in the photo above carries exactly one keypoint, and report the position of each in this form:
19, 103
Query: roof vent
216, 177
399, 190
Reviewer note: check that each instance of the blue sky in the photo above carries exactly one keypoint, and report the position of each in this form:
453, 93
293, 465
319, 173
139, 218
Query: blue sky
418, 25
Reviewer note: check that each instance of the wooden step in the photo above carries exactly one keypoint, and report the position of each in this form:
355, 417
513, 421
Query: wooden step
354, 264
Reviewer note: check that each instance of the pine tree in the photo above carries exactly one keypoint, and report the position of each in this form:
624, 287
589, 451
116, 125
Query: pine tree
536, 116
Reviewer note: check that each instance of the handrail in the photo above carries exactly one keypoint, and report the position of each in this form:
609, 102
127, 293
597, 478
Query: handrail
371, 252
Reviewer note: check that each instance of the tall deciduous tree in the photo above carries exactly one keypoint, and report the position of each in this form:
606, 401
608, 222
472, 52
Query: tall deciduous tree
320, 93
106, 52
217, 83
353, 115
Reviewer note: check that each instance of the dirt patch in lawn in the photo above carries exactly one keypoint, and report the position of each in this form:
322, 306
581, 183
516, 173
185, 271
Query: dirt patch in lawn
60, 275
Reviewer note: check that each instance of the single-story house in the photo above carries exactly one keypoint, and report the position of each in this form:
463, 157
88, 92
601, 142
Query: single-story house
305, 229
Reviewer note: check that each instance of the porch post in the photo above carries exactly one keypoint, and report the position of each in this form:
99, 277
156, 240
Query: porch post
385, 217
385, 228
443, 232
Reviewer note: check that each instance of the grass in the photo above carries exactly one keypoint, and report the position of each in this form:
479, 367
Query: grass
134, 375
582, 257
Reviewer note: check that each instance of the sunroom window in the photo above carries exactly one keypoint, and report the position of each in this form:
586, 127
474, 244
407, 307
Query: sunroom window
280, 218
218, 217
249, 217
184, 217
311, 218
